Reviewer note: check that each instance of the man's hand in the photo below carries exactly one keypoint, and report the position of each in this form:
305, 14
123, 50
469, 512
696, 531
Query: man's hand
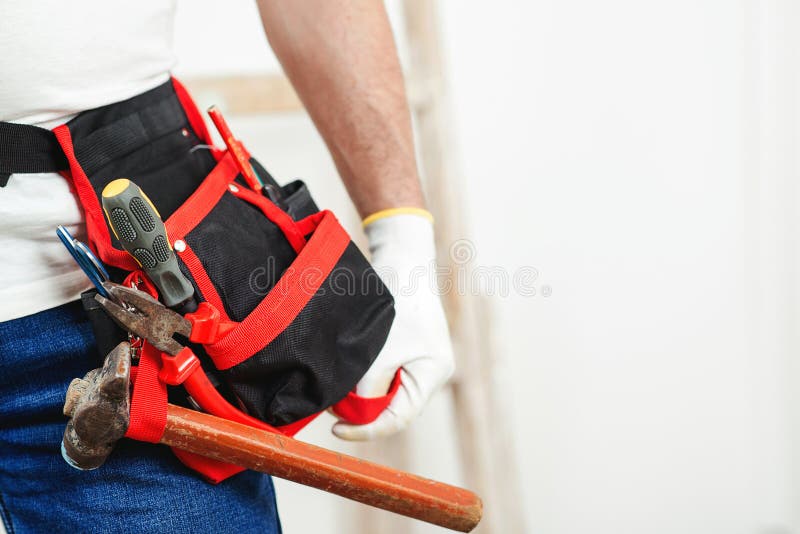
342, 60
402, 250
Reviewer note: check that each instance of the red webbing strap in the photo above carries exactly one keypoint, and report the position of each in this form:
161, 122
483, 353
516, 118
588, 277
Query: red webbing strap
139, 280
285, 301
213, 471
149, 401
203, 200
96, 227
277, 216
310, 223
202, 280
201, 390
192, 113
358, 410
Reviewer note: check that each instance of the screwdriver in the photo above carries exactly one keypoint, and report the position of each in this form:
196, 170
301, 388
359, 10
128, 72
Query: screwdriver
138, 226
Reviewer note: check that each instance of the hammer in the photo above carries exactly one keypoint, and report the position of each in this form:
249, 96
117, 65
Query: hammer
99, 409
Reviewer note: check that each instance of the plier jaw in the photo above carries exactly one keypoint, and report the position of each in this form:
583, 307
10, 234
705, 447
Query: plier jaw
143, 316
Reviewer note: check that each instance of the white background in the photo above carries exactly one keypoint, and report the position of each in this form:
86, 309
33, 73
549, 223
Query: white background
640, 155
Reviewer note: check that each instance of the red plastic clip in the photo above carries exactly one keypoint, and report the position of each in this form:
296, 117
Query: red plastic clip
176, 369
207, 325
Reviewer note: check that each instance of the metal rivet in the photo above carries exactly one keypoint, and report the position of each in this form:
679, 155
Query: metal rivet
233, 188
185, 132
179, 245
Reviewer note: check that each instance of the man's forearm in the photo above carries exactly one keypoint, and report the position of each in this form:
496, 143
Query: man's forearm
341, 59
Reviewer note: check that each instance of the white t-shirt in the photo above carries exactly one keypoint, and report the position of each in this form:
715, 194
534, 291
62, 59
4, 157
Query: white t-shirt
57, 59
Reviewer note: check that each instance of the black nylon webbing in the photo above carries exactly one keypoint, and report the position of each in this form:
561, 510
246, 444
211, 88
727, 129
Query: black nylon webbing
128, 133
28, 149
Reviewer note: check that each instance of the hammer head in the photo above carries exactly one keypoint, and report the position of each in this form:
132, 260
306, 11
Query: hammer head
99, 407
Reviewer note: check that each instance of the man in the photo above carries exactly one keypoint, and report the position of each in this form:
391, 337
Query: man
58, 59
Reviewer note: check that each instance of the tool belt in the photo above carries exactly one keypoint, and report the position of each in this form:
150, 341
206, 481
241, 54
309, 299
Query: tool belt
309, 314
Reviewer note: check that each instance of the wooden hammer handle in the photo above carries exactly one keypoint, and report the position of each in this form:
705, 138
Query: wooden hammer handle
284, 457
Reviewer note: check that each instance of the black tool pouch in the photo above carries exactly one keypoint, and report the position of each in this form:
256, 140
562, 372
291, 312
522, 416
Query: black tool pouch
312, 314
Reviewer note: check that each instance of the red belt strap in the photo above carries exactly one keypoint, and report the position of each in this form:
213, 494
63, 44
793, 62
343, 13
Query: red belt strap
149, 402
358, 410
285, 301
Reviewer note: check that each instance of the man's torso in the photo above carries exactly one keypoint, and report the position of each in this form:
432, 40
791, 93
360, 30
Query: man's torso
58, 59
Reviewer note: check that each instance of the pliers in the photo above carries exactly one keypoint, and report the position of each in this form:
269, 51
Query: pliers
145, 317
142, 315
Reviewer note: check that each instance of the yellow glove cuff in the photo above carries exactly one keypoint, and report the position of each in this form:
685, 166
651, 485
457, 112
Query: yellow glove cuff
390, 212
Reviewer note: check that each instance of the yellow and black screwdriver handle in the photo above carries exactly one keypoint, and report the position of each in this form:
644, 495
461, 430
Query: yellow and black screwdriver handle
140, 230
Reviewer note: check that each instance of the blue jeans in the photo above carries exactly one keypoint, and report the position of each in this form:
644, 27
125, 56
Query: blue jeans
141, 488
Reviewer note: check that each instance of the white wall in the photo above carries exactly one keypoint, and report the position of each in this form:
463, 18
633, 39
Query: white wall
640, 156
647, 150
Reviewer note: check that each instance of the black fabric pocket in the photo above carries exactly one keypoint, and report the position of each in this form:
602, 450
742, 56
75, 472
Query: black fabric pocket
296, 351
325, 350
299, 200
312, 318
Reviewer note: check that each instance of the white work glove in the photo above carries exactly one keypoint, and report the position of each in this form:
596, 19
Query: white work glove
403, 254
